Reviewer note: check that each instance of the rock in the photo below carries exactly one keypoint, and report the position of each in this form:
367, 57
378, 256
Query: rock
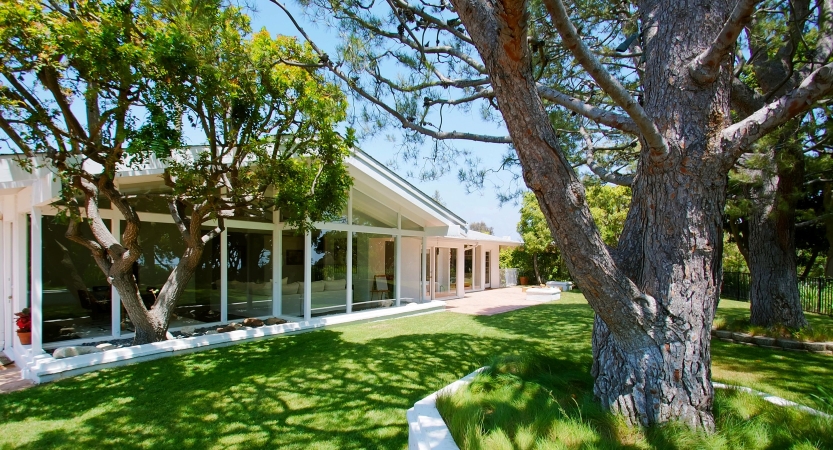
723, 334
252, 322
742, 337
67, 352
105, 346
830, 346
815, 346
187, 330
210, 332
169, 336
67, 331
274, 321
790, 344
235, 325
764, 341
226, 329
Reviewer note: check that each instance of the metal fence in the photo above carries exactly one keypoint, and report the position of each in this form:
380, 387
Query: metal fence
816, 293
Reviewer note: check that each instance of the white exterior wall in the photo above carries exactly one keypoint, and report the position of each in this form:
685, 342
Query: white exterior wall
411, 267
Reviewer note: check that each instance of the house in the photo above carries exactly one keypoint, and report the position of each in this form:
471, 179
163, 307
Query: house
393, 246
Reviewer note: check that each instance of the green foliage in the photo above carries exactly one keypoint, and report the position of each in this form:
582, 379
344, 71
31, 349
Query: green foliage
609, 205
533, 227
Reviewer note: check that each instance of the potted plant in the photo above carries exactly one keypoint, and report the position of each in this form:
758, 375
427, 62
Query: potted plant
24, 326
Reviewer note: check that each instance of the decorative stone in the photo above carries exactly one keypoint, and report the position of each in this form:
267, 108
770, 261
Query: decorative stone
742, 337
723, 334
789, 344
105, 346
187, 330
235, 325
252, 322
226, 329
764, 341
169, 336
210, 332
67, 331
826, 352
815, 346
67, 352
274, 321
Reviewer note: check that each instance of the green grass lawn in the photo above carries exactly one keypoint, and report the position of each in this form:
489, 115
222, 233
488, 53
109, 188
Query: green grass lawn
734, 316
345, 387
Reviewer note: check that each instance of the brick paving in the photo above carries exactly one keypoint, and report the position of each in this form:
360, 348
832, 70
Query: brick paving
10, 379
490, 302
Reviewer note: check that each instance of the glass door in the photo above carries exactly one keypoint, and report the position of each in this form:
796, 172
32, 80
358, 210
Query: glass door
487, 283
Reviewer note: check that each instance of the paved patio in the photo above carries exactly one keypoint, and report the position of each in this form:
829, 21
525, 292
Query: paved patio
490, 302
10, 379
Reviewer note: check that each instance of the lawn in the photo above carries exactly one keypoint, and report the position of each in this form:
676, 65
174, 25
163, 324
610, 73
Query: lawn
345, 387
733, 315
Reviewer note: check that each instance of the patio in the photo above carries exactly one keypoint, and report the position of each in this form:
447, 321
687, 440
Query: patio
490, 302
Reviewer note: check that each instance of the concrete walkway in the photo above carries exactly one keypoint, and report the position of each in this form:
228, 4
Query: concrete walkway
490, 302
10, 379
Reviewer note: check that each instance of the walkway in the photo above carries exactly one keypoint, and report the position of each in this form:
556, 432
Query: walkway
10, 379
489, 302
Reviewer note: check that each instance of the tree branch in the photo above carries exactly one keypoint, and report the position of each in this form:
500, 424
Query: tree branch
705, 67
601, 172
738, 137
654, 140
598, 115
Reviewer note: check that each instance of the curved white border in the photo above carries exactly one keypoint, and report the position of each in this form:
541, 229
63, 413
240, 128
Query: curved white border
427, 429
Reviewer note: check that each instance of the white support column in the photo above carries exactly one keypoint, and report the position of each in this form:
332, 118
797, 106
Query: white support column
422, 270
277, 265
224, 275
36, 270
19, 267
307, 275
482, 266
349, 276
115, 302
461, 271
397, 286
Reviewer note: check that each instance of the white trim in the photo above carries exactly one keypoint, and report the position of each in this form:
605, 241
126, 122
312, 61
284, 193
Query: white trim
36, 289
307, 275
349, 263
224, 275
422, 269
397, 270
366, 229
115, 298
277, 266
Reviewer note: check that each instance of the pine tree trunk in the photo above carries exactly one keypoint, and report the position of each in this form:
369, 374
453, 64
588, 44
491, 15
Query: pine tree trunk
655, 298
774, 292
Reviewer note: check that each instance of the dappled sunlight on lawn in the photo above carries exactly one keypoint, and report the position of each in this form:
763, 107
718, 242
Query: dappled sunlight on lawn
344, 387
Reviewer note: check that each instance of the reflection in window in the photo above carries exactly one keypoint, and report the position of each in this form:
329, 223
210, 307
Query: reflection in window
329, 272
249, 274
468, 273
369, 212
374, 265
292, 284
162, 246
76, 296
445, 263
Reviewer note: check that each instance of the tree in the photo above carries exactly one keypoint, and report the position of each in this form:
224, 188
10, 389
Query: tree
481, 227
534, 231
139, 70
654, 294
609, 207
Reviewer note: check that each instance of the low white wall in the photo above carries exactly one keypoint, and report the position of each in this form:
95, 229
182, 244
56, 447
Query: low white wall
426, 428
43, 368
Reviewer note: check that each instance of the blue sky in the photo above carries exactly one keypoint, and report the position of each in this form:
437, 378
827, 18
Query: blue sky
477, 206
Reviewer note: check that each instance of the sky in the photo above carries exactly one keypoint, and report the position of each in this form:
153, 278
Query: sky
473, 207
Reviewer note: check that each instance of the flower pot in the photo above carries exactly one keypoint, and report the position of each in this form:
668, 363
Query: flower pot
25, 338
523, 280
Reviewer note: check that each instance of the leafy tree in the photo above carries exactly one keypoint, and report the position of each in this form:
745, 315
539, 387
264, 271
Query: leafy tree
534, 231
141, 70
609, 207
481, 227
667, 94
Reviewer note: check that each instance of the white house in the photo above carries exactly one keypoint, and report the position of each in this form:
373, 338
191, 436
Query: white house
393, 246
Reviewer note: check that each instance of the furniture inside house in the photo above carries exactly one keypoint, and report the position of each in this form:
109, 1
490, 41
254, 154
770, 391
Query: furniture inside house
381, 287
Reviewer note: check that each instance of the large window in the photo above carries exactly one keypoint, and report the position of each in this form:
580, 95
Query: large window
76, 296
249, 274
369, 212
292, 268
162, 247
374, 268
329, 272
411, 268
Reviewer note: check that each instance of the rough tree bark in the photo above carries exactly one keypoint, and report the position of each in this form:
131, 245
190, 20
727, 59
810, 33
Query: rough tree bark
773, 291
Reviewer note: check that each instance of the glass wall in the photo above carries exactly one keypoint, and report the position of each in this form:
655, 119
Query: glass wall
329, 272
411, 268
249, 274
468, 273
374, 266
292, 269
76, 296
445, 267
162, 247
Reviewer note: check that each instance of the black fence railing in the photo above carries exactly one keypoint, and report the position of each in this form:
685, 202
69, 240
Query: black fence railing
816, 293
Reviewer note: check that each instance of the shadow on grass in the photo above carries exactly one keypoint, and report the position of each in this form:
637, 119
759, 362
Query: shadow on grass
339, 388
